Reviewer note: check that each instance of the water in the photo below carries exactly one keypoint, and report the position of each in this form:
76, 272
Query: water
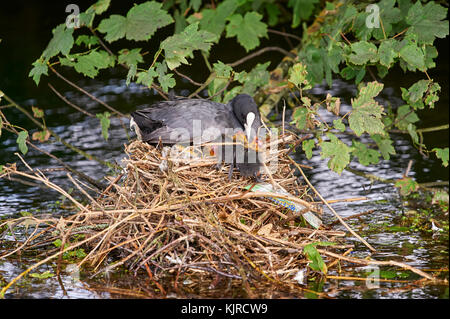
415, 248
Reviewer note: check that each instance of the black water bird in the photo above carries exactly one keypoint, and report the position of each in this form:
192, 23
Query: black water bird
186, 121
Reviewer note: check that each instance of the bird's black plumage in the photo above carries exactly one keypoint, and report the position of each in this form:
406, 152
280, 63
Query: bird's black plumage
189, 120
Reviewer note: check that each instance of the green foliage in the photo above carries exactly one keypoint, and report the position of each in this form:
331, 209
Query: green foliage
442, 153
140, 23
302, 10
338, 43
300, 117
214, 20
22, 141
337, 151
61, 42
37, 112
89, 64
363, 52
307, 146
130, 57
247, 29
384, 145
105, 123
87, 40
407, 186
46, 274
71, 254
366, 114
365, 155
316, 262
40, 67
182, 45
425, 21
298, 75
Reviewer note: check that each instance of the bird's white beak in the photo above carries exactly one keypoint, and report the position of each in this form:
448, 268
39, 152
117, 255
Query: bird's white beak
248, 124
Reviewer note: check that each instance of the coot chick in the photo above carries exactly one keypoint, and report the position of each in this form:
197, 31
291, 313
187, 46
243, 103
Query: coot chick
199, 121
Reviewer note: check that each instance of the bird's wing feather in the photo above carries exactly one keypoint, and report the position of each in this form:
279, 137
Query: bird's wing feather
182, 121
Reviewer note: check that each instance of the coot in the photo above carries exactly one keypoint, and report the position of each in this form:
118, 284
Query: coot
199, 121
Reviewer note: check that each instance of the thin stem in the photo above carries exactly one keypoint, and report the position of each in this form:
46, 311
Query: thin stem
57, 137
87, 93
76, 107
284, 34
259, 52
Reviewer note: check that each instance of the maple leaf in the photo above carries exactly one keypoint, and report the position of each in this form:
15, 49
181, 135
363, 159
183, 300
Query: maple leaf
247, 29
337, 151
140, 24
182, 45
366, 113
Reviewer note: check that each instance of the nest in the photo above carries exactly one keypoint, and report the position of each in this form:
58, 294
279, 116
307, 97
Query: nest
166, 214
170, 214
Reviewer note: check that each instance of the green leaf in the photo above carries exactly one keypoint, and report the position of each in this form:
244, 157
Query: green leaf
405, 116
140, 24
130, 57
195, 4
307, 146
230, 94
257, 77
366, 113
105, 123
442, 153
314, 59
214, 20
413, 56
39, 67
247, 29
101, 6
363, 53
37, 112
339, 125
146, 78
22, 141
88, 41
432, 96
44, 275
337, 151
388, 15
62, 41
180, 46
387, 52
166, 80
87, 17
300, 116
272, 12
366, 156
315, 260
223, 74
426, 21
131, 73
301, 10
407, 186
384, 145
90, 64
115, 27
416, 91
298, 74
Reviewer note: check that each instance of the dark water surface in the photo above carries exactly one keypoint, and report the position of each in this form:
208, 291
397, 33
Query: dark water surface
25, 39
